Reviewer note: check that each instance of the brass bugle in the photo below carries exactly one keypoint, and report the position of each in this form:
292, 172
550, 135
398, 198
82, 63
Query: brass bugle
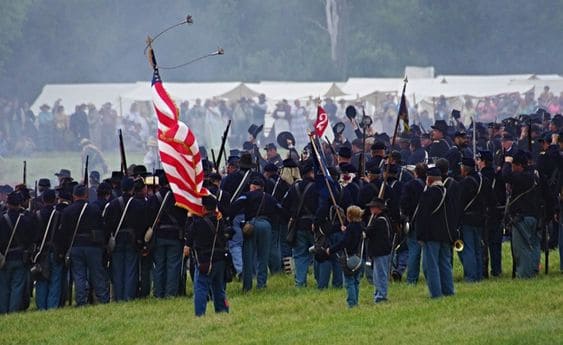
458, 245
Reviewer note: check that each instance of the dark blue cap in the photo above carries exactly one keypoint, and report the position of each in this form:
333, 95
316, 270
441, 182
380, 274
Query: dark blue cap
434, 172
14, 198
271, 167
485, 155
468, 162
345, 152
127, 184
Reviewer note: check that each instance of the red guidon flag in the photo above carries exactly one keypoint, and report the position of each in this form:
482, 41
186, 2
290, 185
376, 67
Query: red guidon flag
321, 123
179, 152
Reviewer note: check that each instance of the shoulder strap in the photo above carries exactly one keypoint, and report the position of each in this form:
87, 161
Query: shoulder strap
239, 188
121, 202
479, 185
441, 201
122, 216
261, 204
44, 235
76, 227
302, 197
14, 229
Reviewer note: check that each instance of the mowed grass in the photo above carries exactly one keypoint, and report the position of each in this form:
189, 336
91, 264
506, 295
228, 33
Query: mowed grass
495, 311
45, 165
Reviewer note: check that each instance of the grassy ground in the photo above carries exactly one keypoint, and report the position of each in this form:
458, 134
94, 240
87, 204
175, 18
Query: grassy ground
47, 164
496, 311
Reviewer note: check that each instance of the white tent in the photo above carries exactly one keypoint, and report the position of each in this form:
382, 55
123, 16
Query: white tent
181, 91
75, 94
555, 85
297, 90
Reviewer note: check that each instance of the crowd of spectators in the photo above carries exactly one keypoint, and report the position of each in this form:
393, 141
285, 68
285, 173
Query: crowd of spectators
55, 128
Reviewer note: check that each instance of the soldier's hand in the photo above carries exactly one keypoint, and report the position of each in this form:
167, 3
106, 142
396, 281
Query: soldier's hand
343, 228
554, 138
186, 251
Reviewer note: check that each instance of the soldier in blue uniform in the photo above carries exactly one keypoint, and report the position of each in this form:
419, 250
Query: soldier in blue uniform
205, 238
492, 236
523, 209
410, 205
477, 204
50, 242
302, 220
436, 236
168, 237
126, 219
82, 226
439, 146
16, 237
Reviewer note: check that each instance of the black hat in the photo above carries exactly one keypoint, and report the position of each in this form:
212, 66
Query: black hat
392, 169
338, 128
257, 181
286, 140
376, 202
306, 168
63, 173
233, 160
247, 146
104, 188
546, 137
425, 136
520, 158
456, 114
116, 176
246, 161
348, 169
206, 165
22, 189
80, 190
415, 141
345, 152
507, 137
358, 143
140, 170
485, 155
441, 126
209, 202
460, 133
383, 137
139, 184
127, 184
49, 196
44, 182
434, 172
255, 130
468, 162
351, 112
6, 189
372, 167
234, 152
214, 177
14, 199
271, 167
493, 125
289, 163
396, 155
270, 146
378, 145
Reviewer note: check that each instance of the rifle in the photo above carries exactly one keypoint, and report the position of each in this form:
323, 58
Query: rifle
214, 160
122, 154
35, 190
474, 138
362, 163
223, 142
86, 172
530, 136
24, 173
331, 147
384, 183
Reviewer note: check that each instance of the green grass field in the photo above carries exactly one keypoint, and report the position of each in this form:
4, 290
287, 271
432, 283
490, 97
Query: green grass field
47, 164
496, 311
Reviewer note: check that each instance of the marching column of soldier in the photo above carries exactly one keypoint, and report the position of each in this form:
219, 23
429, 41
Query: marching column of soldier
347, 209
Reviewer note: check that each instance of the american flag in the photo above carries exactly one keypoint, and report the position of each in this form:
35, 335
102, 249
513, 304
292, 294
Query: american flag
179, 152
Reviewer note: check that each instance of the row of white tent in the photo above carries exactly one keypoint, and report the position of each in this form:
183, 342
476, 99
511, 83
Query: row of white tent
372, 90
